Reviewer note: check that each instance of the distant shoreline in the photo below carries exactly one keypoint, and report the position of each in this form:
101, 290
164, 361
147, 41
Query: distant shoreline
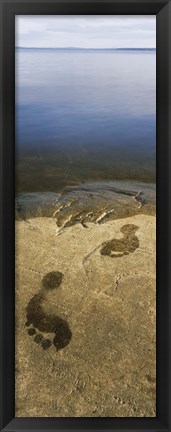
85, 49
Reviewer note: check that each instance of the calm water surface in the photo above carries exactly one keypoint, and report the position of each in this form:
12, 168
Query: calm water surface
86, 114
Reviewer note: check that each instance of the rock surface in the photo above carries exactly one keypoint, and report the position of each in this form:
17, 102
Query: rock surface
85, 320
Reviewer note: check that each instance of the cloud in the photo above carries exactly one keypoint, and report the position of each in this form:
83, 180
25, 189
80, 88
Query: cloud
86, 31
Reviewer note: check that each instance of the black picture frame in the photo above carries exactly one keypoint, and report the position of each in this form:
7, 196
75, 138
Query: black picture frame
8, 10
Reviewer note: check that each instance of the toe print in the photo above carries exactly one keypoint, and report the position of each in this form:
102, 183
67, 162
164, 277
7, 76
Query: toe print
116, 248
38, 321
52, 280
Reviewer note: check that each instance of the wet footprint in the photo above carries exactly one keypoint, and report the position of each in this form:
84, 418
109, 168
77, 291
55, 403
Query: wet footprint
38, 321
118, 247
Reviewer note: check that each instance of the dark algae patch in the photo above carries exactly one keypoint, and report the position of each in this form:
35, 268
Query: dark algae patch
39, 321
118, 247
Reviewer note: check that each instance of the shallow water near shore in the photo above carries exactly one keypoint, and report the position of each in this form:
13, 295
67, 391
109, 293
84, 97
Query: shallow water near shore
89, 202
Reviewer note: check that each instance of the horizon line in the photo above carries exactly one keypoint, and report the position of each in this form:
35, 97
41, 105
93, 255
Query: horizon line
80, 48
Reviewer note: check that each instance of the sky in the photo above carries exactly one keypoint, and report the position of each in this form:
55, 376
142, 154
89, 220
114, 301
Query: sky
91, 31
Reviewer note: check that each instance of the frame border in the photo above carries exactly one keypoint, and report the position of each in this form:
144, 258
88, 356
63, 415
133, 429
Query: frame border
8, 10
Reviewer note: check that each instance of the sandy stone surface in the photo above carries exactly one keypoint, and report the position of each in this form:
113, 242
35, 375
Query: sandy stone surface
85, 343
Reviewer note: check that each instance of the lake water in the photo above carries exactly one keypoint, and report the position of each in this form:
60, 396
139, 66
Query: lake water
84, 115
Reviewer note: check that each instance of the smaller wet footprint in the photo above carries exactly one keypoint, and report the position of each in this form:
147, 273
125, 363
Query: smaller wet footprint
39, 323
116, 248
